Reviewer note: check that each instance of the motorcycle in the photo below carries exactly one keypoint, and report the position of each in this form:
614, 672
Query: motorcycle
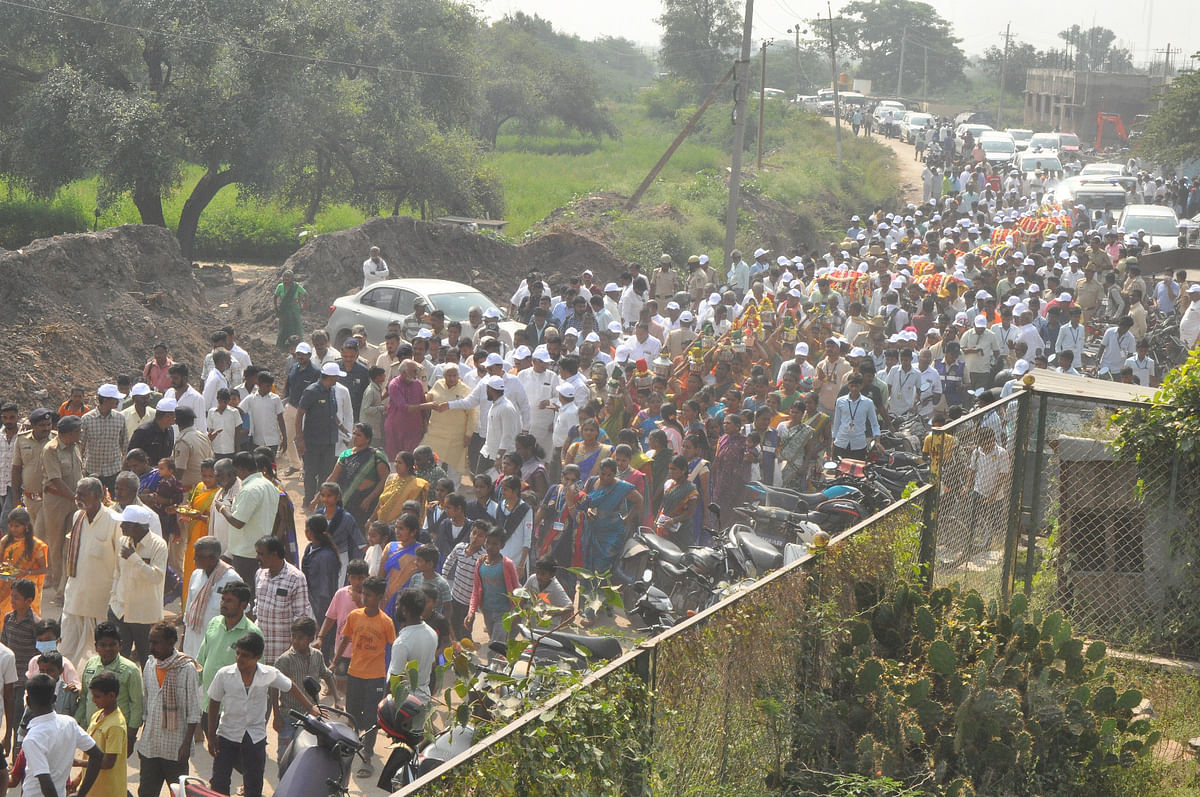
833, 509
318, 761
706, 574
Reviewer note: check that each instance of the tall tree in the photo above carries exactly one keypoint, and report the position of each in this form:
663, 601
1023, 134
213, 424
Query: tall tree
877, 31
1091, 49
1022, 57
700, 39
529, 77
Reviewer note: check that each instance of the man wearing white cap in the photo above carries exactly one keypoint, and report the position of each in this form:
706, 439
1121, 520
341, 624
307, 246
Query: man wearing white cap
1189, 325
538, 382
105, 436
504, 422
800, 363
139, 409
680, 338
566, 418
317, 429
761, 264
137, 591
91, 561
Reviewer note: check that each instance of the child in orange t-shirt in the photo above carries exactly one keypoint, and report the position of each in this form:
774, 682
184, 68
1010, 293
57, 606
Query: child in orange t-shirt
371, 633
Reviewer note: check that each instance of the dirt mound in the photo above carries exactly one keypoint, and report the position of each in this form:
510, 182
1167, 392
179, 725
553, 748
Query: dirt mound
331, 264
80, 309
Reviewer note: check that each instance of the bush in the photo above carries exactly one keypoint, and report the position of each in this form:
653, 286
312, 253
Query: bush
937, 687
27, 220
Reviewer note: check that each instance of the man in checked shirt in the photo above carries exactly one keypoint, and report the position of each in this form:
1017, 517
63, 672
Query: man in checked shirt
280, 596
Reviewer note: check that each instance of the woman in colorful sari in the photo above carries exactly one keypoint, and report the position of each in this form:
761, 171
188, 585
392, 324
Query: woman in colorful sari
613, 510
678, 505
533, 464
623, 454
731, 470
194, 515
695, 450
26, 557
361, 472
801, 440
401, 486
557, 525
400, 560
290, 298
587, 451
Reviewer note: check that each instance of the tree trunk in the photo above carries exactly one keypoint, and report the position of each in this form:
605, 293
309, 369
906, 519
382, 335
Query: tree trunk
189, 219
148, 200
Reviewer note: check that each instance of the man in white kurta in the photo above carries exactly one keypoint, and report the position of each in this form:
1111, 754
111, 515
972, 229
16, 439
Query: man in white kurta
92, 554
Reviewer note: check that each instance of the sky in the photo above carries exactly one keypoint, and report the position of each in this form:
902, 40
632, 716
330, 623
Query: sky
1140, 25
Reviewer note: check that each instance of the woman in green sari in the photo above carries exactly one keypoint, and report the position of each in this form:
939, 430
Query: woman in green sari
290, 298
361, 472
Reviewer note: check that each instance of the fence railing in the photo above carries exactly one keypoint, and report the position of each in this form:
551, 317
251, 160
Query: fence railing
1030, 496
722, 683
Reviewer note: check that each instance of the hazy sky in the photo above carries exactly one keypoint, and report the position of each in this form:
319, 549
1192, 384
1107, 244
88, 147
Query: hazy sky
978, 24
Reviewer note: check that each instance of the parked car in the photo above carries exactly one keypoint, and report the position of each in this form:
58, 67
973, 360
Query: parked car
1020, 136
1159, 221
1068, 143
392, 300
1043, 141
971, 127
885, 107
1030, 162
1102, 198
913, 123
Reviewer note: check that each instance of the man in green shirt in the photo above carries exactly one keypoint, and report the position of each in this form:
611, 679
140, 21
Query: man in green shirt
108, 658
217, 650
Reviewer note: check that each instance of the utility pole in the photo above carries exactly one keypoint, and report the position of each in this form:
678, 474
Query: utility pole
741, 89
796, 53
1003, 68
837, 97
762, 103
925, 80
900, 72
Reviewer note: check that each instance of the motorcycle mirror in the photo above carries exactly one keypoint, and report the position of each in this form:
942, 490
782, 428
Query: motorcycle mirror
715, 508
498, 648
312, 687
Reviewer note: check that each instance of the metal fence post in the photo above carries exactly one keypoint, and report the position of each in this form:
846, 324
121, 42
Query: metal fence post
1008, 569
1039, 449
927, 557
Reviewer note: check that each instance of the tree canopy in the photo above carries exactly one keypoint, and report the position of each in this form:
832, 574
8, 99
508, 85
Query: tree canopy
1172, 133
1091, 49
875, 32
700, 40
382, 105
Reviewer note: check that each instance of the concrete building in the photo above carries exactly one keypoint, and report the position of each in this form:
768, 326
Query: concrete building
1068, 100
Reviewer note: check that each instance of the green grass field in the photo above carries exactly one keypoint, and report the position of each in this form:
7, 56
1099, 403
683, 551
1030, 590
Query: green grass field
541, 171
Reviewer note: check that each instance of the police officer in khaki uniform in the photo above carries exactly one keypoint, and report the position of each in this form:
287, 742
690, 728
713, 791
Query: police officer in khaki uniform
62, 468
1088, 292
27, 471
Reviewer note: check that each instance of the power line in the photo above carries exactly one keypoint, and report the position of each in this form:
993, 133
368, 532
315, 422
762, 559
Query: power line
244, 47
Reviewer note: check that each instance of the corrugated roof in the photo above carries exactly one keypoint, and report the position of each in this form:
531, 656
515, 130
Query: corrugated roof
1049, 381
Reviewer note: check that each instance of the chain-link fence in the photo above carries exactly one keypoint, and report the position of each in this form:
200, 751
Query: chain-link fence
723, 684
1031, 496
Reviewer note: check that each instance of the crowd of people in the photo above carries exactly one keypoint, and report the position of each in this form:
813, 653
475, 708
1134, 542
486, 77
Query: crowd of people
451, 462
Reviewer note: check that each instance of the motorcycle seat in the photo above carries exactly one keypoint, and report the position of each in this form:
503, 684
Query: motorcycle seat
812, 499
764, 555
664, 548
604, 648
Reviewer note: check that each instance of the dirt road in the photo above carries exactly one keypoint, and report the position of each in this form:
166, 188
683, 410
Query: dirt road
909, 170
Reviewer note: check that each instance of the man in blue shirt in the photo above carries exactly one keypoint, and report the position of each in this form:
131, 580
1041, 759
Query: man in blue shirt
855, 425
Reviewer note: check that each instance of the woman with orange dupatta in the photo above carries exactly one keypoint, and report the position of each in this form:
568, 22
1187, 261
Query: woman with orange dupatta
24, 556
199, 501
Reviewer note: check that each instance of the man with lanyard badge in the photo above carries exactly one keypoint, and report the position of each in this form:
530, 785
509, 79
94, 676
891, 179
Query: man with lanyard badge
855, 425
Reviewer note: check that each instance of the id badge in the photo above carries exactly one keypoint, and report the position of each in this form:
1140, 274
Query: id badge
558, 525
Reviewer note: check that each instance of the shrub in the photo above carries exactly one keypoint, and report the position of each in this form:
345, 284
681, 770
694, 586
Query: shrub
941, 687
22, 221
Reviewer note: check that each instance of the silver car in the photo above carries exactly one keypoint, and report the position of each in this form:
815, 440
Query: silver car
392, 300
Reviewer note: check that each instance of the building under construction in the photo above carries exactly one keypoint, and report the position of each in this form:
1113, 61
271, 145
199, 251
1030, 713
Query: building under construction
1071, 101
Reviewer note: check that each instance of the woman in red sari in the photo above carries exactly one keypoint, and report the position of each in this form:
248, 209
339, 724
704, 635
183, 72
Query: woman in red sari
730, 468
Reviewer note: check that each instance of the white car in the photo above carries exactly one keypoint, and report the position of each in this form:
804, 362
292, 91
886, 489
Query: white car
883, 107
392, 300
913, 123
1044, 141
999, 148
1159, 222
974, 128
1020, 136
1102, 170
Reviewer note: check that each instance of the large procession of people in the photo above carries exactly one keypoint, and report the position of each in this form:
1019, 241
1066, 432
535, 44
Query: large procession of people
451, 462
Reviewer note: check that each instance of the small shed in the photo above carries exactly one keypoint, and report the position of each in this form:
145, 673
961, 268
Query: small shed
1114, 559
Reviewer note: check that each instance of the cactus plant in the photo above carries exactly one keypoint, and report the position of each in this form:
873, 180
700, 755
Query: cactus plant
944, 688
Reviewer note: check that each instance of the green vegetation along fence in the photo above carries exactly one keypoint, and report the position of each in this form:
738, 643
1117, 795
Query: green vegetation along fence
1069, 521
717, 717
